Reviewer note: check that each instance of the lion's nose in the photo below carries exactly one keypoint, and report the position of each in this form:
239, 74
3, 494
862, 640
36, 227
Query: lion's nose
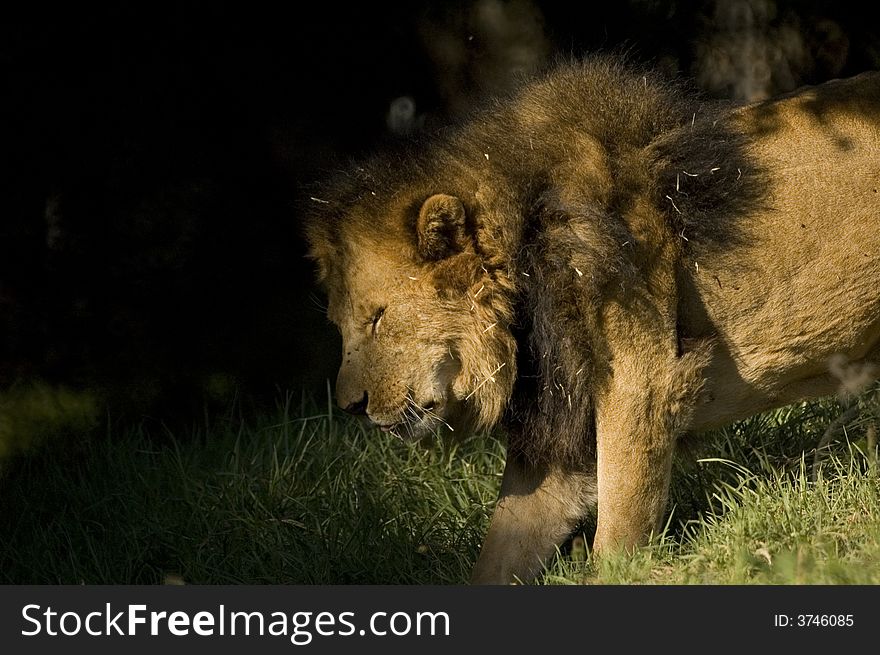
358, 408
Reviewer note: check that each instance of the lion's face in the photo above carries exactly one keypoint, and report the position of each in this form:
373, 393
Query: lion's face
399, 364
419, 350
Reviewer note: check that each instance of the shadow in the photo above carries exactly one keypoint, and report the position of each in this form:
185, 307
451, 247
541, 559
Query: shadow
829, 107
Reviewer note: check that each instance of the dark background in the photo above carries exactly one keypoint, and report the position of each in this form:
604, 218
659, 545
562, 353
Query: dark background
153, 160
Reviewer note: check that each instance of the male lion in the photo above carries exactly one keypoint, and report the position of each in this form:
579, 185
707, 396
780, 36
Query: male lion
602, 264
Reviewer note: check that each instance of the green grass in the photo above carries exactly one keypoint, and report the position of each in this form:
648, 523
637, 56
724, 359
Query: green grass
307, 496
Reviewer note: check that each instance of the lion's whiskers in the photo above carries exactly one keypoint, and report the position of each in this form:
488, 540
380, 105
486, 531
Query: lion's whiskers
418, 411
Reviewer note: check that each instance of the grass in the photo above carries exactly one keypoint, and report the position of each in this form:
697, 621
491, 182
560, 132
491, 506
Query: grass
307, 496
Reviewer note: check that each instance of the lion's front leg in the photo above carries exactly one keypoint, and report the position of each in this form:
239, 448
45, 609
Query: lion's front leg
537, 509
634, 463
638, 419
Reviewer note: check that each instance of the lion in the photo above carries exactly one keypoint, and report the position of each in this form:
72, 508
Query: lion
602, 263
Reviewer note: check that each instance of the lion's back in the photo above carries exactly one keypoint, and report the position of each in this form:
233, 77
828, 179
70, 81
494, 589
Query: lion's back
802, 283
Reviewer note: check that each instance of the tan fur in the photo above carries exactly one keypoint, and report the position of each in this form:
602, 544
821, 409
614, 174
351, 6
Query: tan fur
606, 266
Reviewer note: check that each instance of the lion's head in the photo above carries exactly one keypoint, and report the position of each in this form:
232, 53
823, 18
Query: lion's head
423, 312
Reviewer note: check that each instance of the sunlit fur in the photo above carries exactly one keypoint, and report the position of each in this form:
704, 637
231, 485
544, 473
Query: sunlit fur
633, 264
536, 173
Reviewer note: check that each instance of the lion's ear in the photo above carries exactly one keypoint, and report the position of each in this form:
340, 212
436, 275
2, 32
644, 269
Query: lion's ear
441, 227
